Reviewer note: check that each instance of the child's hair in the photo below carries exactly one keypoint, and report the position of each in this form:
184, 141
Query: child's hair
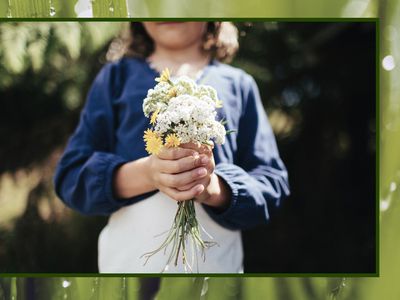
220, 39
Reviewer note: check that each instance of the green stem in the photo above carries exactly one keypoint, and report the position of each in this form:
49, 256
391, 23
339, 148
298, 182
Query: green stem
185, 228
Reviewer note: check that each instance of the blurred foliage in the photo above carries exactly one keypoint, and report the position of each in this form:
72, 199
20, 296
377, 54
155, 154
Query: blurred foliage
206, 8
37, 8
178, 288
45, 71
317, 81
318, 84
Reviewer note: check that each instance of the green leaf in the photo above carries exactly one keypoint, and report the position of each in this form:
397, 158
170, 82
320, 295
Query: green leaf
30, 9
180, 288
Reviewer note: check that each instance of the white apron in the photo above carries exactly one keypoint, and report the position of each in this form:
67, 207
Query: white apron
135, 229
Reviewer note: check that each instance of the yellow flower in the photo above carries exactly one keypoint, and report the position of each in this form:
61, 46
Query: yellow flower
172, 92
148, 134
172, 141
154, 144
154, 116
218, 104
164, 76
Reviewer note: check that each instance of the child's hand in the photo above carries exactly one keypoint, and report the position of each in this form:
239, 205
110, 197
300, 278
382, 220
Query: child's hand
208, 163
216, 193
182, 173
175, 168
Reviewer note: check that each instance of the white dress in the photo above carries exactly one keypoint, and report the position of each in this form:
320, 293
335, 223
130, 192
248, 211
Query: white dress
135, 229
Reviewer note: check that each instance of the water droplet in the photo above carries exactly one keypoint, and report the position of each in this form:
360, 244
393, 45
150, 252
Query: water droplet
388, 63
204, 289
385, 203
52, 11
95, 288
338, 289
111, 7
343, 282
66, 284
393, 186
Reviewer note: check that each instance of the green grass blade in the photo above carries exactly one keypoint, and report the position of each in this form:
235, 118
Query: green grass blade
109, 8
29, 9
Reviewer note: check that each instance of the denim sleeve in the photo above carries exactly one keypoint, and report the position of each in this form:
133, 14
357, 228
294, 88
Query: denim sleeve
84, 175
258, 180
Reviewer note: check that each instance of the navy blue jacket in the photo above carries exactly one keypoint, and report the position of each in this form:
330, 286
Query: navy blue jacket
110, 133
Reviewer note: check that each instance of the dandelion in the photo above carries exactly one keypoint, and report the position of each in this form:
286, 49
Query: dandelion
154, 117
173, 92
164, 77
149, 134
172, 141
154, 144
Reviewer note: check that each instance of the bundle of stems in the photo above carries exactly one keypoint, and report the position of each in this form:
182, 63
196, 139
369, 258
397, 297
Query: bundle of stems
185, 231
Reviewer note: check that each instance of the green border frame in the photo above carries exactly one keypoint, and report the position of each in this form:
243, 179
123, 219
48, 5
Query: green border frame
375, 20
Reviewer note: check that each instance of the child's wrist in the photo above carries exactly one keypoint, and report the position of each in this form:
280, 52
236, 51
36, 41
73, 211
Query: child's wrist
217, 194
145, 171
132, 179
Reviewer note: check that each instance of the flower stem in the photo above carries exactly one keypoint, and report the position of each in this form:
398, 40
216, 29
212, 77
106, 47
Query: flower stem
185, 229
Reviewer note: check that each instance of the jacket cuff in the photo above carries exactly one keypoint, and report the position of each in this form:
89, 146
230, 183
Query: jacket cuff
222, 217
112, 163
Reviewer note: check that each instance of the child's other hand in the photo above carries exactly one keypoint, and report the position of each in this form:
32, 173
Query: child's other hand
216, 193
175, 168
208, 163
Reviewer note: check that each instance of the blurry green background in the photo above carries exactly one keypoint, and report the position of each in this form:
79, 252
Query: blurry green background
317, 81
187, 8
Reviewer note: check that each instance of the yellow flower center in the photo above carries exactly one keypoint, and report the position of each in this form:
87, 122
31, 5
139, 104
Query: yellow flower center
172, 141
154, 145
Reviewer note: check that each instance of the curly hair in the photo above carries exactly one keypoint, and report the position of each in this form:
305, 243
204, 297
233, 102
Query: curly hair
220, 40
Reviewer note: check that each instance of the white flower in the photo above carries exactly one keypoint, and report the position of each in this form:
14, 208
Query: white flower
189, 111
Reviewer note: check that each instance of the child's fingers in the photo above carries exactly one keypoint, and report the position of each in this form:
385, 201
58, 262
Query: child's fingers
176, 153
184, 164
184, 195
182, 179
201, 148
203, 181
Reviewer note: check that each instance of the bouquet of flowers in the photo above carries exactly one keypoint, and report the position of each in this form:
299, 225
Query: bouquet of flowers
182, 112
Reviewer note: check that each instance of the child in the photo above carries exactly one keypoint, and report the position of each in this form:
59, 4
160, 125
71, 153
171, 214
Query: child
106, 170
